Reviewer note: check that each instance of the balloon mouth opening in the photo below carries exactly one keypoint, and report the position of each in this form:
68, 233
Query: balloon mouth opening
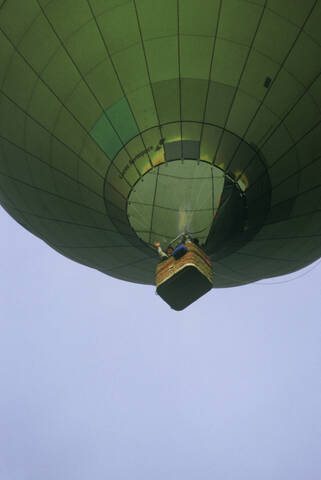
175, 198
159, 191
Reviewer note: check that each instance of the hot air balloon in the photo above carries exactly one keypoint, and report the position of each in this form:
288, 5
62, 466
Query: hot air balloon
130, 122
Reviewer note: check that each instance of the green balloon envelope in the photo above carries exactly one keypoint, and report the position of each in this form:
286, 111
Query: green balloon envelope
123, 123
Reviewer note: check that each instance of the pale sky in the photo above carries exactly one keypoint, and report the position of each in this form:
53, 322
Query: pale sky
100, 379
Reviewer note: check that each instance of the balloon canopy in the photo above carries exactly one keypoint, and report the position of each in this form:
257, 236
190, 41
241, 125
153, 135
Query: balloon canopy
128, 122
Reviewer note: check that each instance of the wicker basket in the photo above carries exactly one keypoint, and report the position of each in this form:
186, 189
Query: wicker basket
180, 282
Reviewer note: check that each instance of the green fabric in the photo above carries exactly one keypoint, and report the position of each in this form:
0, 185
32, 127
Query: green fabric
92, 90
114, 128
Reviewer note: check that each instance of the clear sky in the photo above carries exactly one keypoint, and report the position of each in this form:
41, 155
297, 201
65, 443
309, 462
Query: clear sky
100, 379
